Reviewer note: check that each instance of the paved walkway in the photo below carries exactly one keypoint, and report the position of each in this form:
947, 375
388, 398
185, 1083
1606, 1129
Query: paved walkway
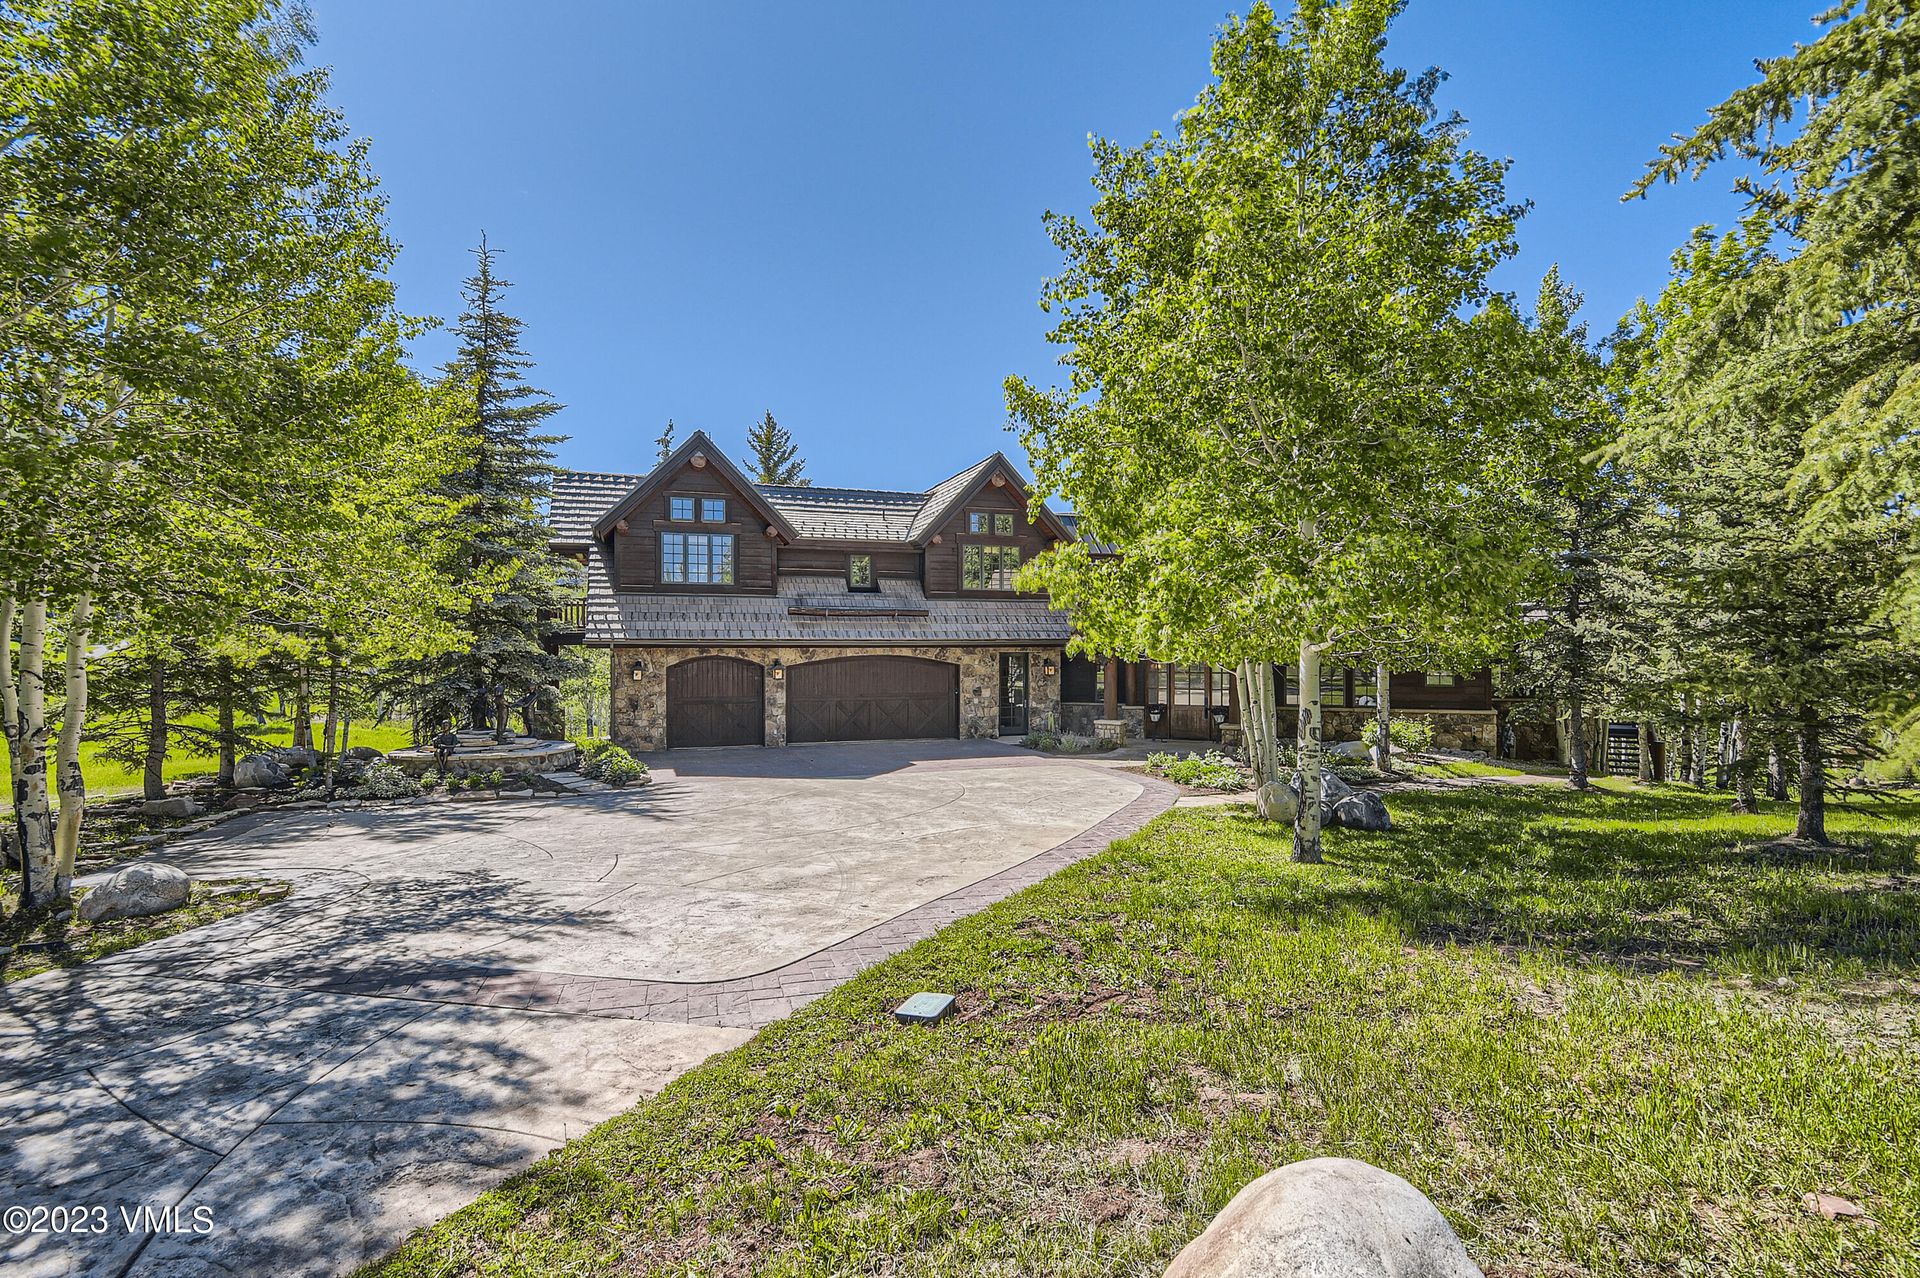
452, 991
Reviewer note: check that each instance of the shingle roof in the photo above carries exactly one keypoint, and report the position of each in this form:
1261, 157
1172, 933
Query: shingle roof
846, 514
792, 618
580, 497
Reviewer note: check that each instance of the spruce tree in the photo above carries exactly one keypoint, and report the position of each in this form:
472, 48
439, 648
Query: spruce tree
665, 441
775, 455
500, 555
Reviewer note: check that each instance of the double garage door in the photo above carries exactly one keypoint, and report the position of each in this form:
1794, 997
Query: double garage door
722, 700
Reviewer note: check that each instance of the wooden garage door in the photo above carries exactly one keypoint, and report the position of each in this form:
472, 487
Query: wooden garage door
715, 701
873, 699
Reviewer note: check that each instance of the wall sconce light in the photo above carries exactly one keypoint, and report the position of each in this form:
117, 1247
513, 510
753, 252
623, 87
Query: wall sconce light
639, 673
778, 671
1048, 669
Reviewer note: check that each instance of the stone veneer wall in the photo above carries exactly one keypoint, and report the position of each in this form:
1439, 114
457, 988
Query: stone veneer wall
640, 707
1076, 718
1452, 729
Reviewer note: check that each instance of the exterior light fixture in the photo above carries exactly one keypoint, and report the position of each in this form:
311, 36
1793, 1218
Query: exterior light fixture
1219, 714
779, 672
1048, 669
639, 673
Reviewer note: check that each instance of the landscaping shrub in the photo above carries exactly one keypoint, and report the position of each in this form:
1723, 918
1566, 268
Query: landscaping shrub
1213, 770
1040, 741
617, 768
382, 780
431, 779
1406, 734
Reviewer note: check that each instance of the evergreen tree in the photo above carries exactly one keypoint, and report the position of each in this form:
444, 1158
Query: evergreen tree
775, 455
500, 553
665, 441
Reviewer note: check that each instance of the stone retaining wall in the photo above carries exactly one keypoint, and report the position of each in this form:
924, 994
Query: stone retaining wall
1076, 718
1452, 729
640, 706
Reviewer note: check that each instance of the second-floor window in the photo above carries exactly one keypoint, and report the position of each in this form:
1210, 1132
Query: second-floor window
1439, 679
860, 572
680, 509
696, 559
713, 510
709, 510
986, 521
989, 567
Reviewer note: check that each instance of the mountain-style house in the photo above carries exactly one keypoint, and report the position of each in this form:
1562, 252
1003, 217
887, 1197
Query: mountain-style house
758, 614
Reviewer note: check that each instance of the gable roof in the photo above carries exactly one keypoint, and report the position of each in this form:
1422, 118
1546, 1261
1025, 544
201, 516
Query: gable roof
846, 514
695, 443
945, 498
585, 505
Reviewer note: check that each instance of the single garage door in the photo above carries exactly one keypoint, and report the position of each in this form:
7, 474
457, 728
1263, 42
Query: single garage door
714, 701
873, 699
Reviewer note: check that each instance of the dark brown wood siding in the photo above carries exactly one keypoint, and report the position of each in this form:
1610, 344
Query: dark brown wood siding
872, 699
714, 701
636, 552
814, 560
943, 560
1469, 692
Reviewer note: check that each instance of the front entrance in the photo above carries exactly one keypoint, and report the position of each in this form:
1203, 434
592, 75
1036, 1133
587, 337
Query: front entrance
1013, 694
872, 699
713, 701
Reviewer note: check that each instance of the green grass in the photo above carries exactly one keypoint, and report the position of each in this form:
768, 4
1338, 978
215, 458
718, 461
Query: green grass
1615, 1033
36, 941
107, 779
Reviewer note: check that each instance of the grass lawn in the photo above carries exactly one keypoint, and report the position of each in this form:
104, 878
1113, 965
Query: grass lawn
36, 942
1611, 1033
106, 779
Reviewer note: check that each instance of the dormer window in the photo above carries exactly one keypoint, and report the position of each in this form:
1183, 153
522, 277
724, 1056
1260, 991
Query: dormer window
989, 567
860, 573
996, 523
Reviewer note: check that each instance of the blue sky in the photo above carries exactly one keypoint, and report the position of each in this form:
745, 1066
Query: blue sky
832, 210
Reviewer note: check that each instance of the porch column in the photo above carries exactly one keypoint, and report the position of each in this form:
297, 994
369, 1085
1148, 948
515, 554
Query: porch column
1112, 709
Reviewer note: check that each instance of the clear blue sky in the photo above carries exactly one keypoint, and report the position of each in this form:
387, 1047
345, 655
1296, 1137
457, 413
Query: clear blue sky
832, 209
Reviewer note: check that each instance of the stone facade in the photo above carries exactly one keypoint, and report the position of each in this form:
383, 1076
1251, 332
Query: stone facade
1077, 718
1452, 729
640, 704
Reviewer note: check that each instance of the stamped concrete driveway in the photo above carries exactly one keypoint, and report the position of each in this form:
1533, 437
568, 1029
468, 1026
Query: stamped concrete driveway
452, 990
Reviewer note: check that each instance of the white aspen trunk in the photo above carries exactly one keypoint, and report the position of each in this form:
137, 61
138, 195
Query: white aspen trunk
303, 712
36, 818
154, 779
10, 716
333, 703
1306, 828
1382, 715
1743, 797
1270, 711
1646, 752
73, 720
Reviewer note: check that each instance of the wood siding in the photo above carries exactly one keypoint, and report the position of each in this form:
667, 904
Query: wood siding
636, 552
810, 559
943, 560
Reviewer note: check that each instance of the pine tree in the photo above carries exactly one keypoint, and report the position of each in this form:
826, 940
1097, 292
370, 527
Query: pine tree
501, 555
665, 441
775, 458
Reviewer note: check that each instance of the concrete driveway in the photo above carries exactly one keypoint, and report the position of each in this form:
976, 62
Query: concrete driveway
453, 990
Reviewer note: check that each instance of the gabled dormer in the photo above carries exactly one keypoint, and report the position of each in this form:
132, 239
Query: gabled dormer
975, 531
694, 524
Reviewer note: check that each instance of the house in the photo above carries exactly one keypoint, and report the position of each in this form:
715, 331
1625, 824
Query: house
740, 613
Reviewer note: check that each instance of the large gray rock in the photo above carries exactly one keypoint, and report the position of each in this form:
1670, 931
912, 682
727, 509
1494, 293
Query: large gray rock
1327, 1218
1364, 810
365, 754
176, 807
1276, 801
259, 772
152, 888
1332, 788
295, 757
1348, 750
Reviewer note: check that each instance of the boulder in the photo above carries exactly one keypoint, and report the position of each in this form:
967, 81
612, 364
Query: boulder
1349, 750
1327, 1218
151, 888
295, 757
259, 772
1332, 788
1276, 801
1362, 811
365, 754
174, 807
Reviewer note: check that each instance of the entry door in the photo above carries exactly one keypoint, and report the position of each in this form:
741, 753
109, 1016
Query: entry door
1013, 693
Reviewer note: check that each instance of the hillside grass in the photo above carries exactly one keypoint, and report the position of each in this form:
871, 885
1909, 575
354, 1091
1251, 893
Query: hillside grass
1614, 1033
